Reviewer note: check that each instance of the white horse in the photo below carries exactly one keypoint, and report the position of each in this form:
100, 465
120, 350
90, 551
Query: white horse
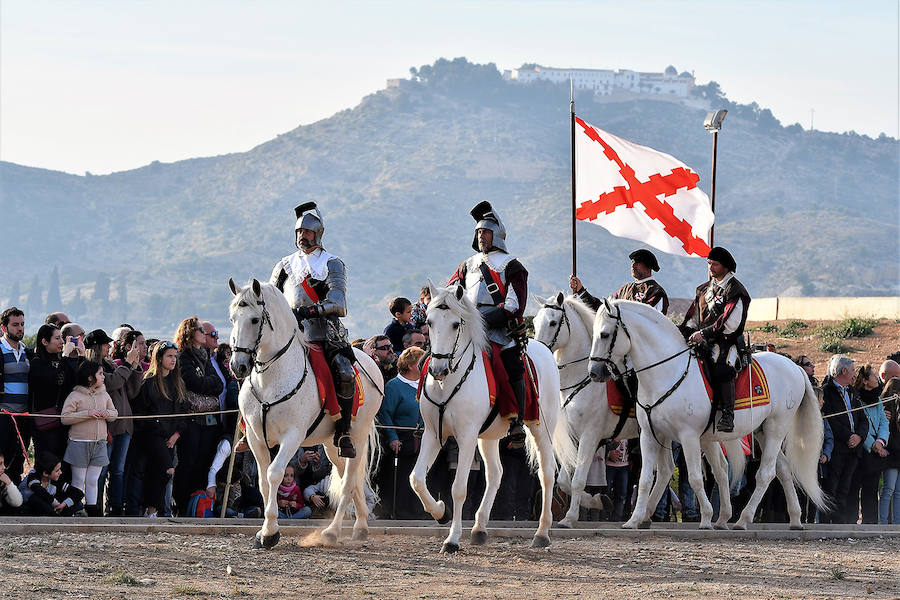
565, 325
456, 382
279, 401
675, 406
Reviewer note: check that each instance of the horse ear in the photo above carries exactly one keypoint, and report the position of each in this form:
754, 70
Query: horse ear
560, 298
459, 292
257, 289
537, 298
432, 288
233, 286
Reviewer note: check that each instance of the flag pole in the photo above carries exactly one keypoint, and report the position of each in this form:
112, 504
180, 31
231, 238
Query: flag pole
572, 121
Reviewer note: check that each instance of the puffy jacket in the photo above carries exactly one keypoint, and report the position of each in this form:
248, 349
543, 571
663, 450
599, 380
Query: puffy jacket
76, 412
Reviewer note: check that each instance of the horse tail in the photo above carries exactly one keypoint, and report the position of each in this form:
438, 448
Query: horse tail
803, 445
737, 461
564, 444
373, 455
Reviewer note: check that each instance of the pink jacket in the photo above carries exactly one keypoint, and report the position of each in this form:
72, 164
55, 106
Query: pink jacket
76, 412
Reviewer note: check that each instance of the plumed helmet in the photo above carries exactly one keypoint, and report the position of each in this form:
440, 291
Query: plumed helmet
645, 257
723, 257
309, 217
487, 218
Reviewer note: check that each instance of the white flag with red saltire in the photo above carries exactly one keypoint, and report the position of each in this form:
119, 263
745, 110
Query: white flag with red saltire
636, 192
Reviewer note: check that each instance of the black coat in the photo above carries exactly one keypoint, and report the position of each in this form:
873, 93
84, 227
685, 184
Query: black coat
49, 382
151, 402
199, 375
840, 424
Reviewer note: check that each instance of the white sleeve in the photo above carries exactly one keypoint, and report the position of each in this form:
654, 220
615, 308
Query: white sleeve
659, 304
511, 304
734, 319
223, 451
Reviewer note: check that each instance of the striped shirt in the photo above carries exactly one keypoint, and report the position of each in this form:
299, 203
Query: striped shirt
15, 378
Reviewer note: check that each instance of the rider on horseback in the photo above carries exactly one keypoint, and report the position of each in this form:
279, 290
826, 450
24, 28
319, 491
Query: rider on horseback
716, 319
315, 284
498, 285
643, 289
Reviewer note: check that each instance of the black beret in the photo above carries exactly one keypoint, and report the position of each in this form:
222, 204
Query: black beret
645, 257
723, 257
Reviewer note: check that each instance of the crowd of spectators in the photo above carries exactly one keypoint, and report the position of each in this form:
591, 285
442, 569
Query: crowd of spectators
97, 460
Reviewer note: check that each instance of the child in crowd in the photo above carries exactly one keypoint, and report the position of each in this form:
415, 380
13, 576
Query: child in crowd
401, 309
418, 310
87, 409
44, 493
10, 497
290, 497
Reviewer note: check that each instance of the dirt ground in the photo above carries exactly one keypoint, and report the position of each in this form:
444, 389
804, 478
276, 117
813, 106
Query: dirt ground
164, 565
871, 349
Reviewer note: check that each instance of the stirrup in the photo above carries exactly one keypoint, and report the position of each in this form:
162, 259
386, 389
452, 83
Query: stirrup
516, 434
725, 426
345, 446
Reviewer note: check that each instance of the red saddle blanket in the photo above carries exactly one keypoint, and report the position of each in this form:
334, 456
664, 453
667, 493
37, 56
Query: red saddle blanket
742, 386
325, 383
499, 390
615, 399
506, 398
741, 390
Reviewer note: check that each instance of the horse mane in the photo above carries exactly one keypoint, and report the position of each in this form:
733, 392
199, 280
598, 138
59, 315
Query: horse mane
279, 310
466, 310
648, 312
584, 312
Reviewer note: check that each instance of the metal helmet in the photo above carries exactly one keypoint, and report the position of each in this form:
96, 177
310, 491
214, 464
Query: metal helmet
309, 217
487, 218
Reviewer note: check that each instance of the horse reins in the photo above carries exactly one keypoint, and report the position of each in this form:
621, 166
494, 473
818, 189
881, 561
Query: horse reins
632, 371
263, 366
442, 406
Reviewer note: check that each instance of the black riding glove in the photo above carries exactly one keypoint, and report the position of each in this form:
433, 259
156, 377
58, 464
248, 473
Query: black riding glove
306, 312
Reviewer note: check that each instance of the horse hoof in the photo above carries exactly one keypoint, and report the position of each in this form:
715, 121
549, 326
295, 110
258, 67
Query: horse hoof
269, 541
449, 548
445, 518
360, 535
739, 526
257, 541
479, 538
797, 527
721, 526
706, 526
329, 538
540, 541
643, 525
564, 524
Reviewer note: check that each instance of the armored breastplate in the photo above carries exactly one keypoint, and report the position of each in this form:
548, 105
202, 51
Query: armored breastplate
477, 289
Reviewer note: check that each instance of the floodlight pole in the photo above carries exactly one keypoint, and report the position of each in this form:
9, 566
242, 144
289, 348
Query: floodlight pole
712, 190
713, 123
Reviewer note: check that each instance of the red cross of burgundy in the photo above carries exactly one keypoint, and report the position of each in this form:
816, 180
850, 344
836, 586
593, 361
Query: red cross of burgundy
647, 193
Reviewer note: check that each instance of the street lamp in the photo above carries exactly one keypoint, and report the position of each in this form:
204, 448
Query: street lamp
713, 123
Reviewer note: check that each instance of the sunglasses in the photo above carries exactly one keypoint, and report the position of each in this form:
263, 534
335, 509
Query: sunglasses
167, 345
807, 364
213, 333
384, 348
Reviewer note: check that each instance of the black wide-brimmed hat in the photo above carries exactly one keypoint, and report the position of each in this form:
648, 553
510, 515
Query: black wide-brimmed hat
723, 257
645, 257
96, 338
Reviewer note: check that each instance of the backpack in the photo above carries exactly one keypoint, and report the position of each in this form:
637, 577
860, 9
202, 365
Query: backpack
199, 505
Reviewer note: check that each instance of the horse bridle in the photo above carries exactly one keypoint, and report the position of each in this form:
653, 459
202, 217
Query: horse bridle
262, 366
632, 371
442, 406
449, 357
564, 319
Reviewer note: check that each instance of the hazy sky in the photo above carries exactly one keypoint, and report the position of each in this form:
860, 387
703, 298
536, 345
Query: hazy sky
108, 86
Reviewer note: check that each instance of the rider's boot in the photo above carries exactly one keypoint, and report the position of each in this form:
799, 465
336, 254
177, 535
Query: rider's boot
342, 429
516, 426
726, 405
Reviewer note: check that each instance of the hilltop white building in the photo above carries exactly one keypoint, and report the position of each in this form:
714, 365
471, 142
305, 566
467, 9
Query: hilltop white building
606, 82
